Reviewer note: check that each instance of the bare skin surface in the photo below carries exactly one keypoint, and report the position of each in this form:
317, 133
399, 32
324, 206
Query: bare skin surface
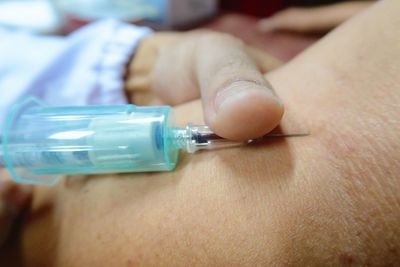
329, 199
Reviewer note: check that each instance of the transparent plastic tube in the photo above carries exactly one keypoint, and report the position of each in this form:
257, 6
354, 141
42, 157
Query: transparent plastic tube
40, 143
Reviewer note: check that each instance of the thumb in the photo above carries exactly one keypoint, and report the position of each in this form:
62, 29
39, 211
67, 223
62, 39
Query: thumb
238, 102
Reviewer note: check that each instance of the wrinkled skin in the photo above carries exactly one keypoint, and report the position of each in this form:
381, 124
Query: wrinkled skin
328, 199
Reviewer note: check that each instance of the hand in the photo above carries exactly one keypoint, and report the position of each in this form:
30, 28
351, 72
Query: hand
312, 20
13, 198
327, 199
238, 102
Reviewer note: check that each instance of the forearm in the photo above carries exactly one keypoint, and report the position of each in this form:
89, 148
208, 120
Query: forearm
345, 91
328, 198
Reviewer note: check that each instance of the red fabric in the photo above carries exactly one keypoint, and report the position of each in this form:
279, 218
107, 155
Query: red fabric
253, 7
263, 8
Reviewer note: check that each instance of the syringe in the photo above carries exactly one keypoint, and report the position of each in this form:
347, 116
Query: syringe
41, 143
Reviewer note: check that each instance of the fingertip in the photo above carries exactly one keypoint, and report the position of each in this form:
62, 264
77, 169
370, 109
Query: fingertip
266, 25
247, 114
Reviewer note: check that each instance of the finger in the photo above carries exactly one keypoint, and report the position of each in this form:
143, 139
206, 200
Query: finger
309, 20
264, 61
172, 78
175, 62
300, 20
138, 82
238, 102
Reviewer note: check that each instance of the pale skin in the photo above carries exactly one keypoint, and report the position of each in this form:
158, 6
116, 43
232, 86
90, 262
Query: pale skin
327, 199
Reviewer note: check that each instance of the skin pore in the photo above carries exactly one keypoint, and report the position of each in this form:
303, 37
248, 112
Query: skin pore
327, 199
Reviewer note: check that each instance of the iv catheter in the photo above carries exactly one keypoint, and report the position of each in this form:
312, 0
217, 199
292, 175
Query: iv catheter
42, 143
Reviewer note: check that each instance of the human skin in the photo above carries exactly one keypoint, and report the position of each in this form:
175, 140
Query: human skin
13, 199
319, 19
328, 199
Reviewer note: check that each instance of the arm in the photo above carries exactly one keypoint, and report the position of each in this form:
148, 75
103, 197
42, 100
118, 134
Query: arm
331, 198
84, 68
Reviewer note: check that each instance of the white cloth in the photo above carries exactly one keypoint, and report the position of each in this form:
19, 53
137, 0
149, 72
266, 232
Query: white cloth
85, 68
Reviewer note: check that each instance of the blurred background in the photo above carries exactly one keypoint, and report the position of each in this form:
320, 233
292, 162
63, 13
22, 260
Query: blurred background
61, 16
237, 17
